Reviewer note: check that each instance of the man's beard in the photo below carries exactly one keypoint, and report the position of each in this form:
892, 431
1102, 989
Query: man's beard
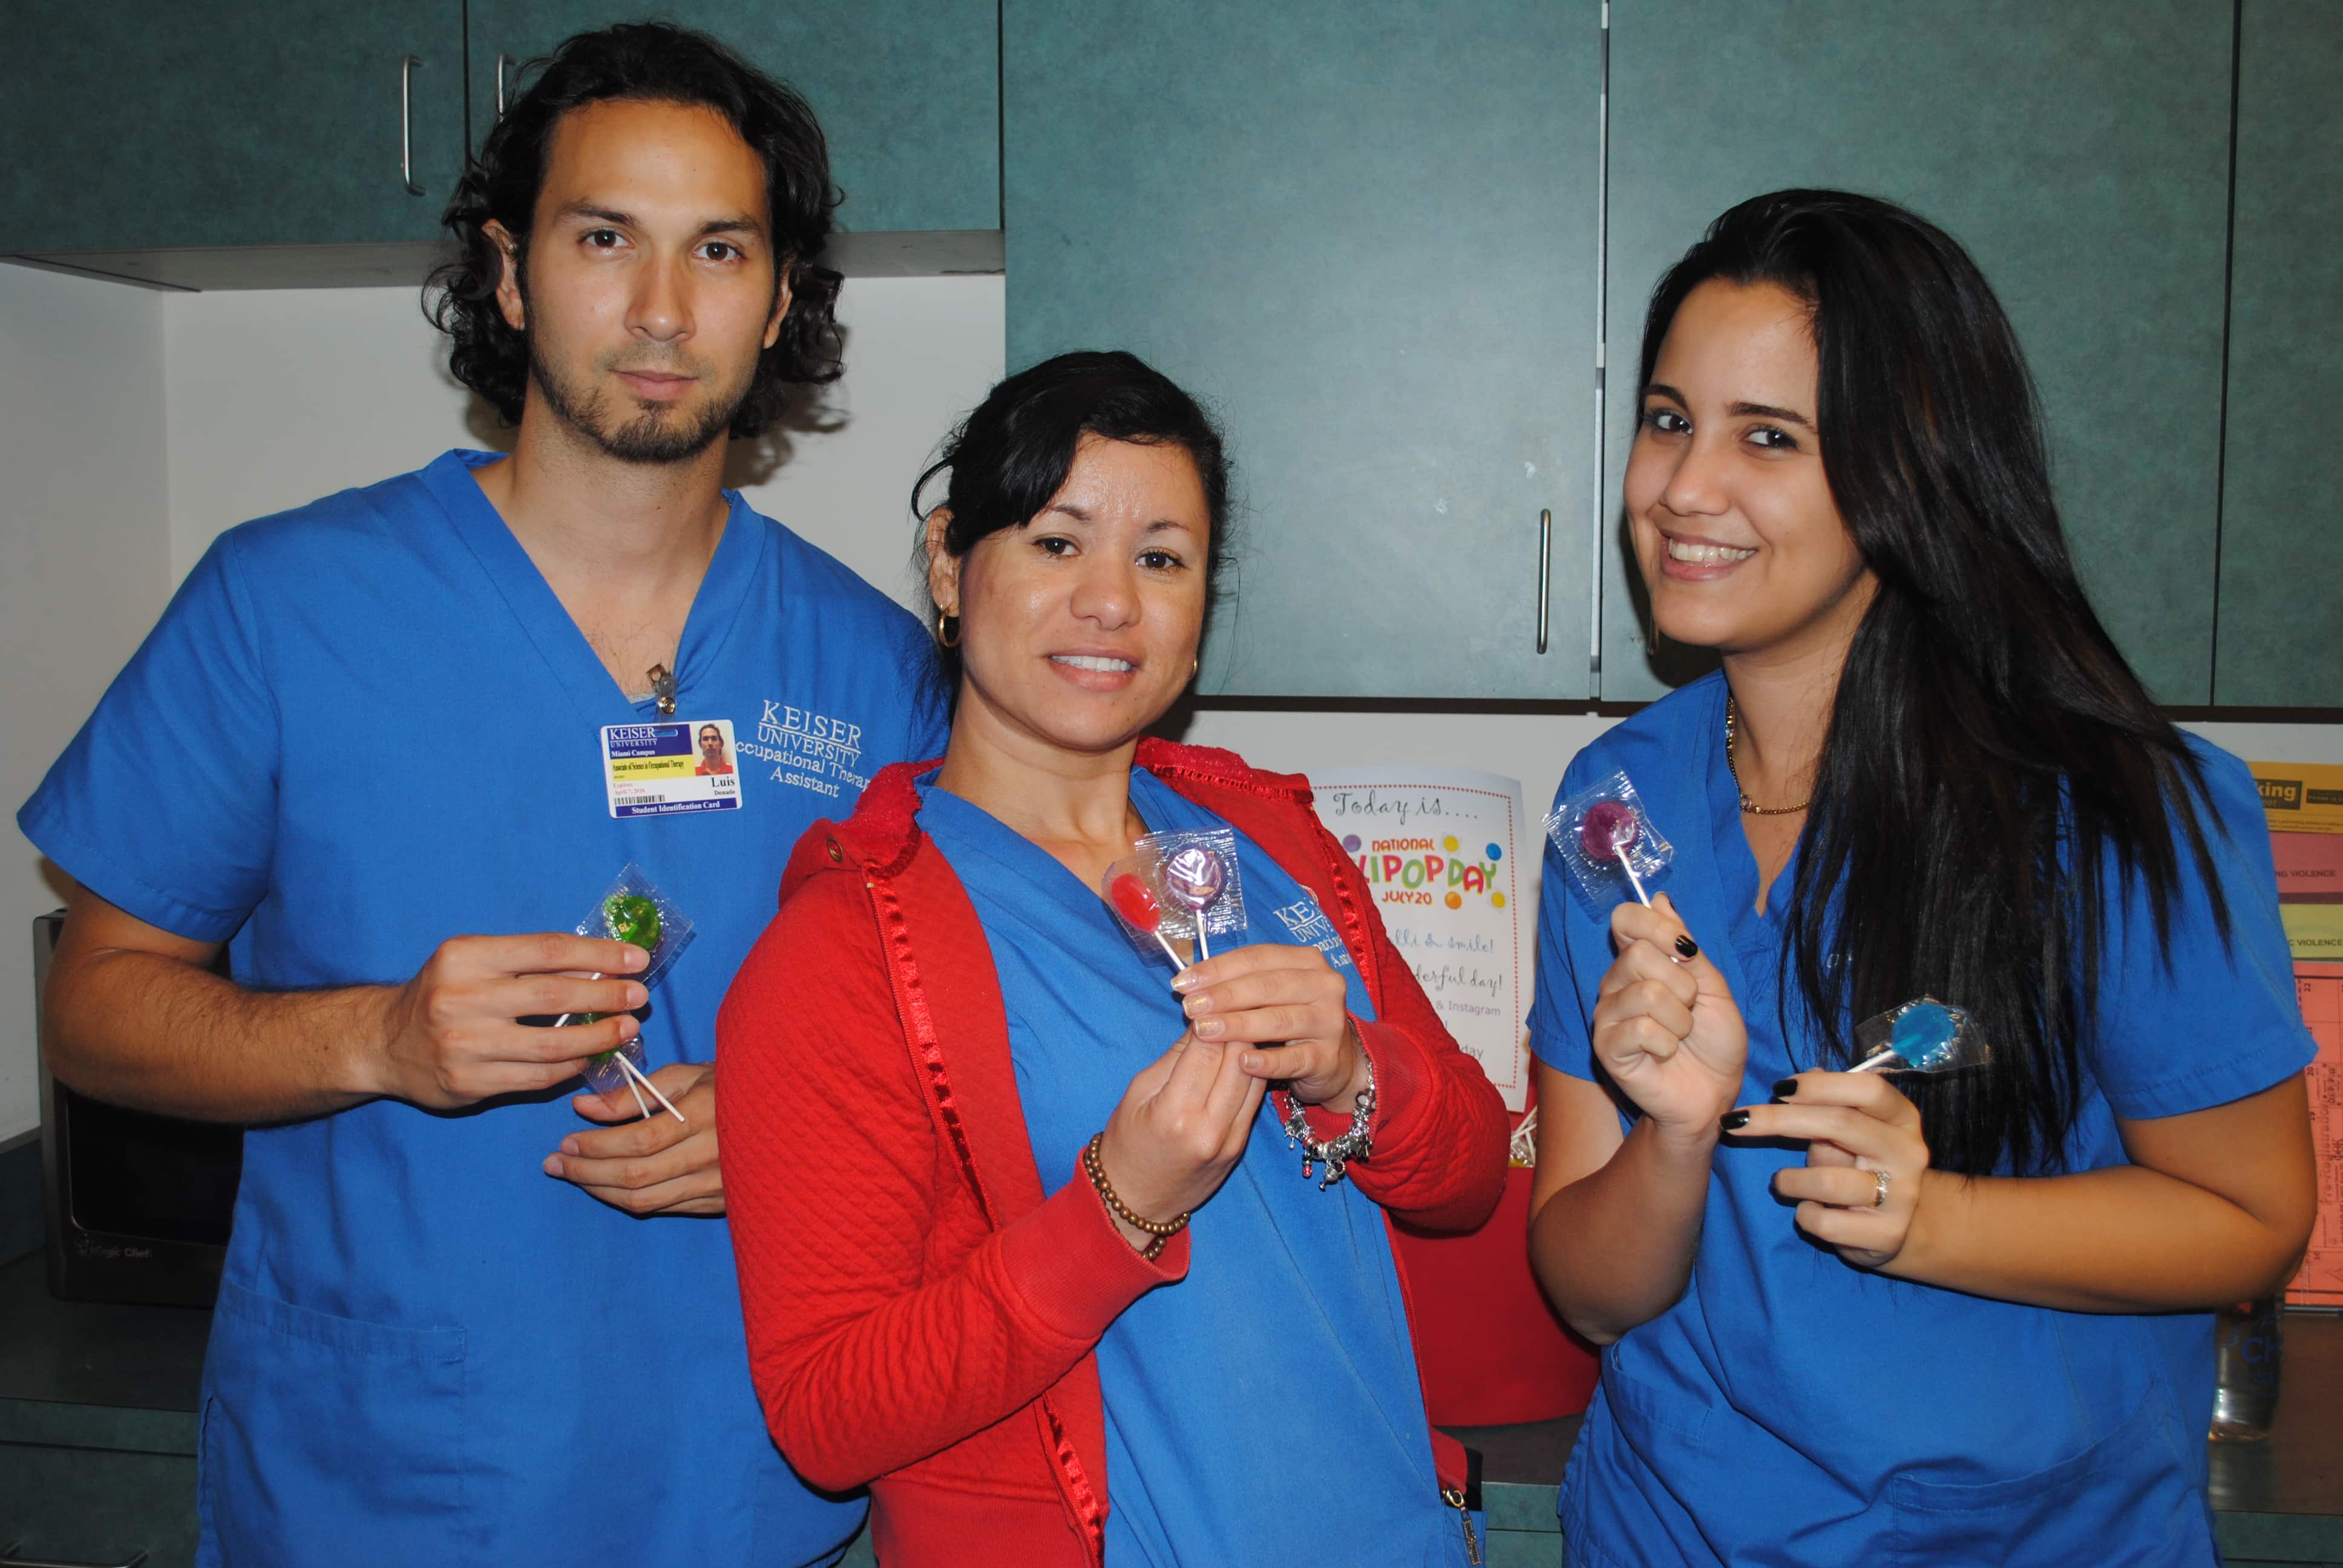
654, 435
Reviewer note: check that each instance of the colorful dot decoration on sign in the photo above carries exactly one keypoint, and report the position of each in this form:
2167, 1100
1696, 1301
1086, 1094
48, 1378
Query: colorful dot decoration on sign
1449, 843
1455, 900
1351, 842
1496, 853
1497, 901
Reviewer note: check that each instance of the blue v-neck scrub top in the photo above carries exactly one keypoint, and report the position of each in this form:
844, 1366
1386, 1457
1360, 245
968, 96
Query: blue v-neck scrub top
1792, 1409
1274, 1390
362, 728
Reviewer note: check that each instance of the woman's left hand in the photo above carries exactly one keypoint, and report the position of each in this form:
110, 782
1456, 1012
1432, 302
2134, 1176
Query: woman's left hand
1287, 999
1860, 1188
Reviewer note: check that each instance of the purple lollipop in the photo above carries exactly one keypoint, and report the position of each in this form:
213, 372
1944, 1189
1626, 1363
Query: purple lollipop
1607, 832
1602, 830
1197, 878
1608, 828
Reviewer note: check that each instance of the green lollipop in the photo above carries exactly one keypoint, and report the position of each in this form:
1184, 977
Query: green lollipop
632, 912
632, 918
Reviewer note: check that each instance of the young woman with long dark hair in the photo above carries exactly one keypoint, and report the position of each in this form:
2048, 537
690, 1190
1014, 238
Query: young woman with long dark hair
965, 1122
1845, 1318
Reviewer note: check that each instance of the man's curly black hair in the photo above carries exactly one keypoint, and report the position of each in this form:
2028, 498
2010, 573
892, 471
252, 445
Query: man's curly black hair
644, 62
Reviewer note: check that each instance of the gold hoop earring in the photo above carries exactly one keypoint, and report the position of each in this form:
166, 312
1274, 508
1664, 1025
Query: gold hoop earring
944, 618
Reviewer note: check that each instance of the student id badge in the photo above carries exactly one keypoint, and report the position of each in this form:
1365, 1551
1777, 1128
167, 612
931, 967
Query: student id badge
660, 770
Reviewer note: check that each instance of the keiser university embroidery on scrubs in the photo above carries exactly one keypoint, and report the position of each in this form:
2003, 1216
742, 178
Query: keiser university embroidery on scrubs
1307, 924
816, 751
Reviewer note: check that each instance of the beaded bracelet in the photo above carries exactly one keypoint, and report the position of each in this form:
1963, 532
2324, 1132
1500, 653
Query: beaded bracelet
1163, 1231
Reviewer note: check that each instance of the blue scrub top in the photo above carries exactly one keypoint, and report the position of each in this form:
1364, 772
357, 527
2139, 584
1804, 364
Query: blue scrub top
1276, 1384
1790, 1408
362, 728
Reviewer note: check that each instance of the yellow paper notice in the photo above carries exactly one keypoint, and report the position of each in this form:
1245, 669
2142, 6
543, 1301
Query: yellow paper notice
2300, 797
2315, 931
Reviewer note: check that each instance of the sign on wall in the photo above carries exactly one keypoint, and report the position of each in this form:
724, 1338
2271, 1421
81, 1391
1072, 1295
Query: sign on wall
1440, 849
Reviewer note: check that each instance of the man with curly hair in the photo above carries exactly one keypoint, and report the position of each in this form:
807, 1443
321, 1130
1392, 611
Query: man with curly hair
468, 1314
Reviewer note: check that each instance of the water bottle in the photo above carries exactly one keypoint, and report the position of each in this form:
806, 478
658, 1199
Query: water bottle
2245, 1369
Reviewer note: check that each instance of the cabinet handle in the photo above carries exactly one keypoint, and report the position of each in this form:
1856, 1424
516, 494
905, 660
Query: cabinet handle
502, 60
1602, 354
406, 64
1545, 569
8, 1559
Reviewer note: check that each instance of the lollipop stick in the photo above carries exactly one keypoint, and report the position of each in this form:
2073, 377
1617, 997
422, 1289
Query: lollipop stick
1169, 951
636, 1076
1633, 880
1203, 948
642, 1108
1885, 1061
566, 1017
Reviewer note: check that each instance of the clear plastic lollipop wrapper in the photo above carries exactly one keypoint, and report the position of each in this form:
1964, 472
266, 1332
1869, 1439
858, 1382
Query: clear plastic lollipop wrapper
1925, 1035
1134, 890
633, 910
1608, 844
1178, 887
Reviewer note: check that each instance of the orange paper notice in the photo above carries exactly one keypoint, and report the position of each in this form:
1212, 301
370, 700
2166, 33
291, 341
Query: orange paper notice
2301, 797
2320, 1283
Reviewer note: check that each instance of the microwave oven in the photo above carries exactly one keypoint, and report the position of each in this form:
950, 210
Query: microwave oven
137, 1205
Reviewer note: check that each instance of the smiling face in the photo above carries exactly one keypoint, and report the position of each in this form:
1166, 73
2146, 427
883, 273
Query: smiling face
1739, 540
649, 285
1079, 628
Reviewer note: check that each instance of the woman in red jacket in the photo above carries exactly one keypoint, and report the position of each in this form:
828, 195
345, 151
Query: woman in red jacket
1023, 1244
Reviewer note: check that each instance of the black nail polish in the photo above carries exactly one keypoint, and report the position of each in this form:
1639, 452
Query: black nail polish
1689, 948
1734, 1120
1786, 1088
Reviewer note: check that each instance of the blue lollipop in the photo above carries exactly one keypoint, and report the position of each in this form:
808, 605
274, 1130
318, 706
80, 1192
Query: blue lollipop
1922, 1036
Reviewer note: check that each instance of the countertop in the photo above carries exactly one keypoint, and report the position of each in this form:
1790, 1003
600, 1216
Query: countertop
79, 1374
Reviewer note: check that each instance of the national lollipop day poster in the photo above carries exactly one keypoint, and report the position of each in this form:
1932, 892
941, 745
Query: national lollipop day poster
1440, 850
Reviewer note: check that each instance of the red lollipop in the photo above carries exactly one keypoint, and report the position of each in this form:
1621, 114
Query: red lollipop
1134, 901
1607, 832
1141, 909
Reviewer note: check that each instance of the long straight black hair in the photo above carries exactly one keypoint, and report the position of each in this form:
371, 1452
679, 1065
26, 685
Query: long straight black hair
1996, 780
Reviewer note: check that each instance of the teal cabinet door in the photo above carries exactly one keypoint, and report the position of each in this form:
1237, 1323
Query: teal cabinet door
1364, 231
908, 91
2281, 607
2078, 150
268, 122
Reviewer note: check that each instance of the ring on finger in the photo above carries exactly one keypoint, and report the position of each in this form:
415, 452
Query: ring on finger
1879, 1189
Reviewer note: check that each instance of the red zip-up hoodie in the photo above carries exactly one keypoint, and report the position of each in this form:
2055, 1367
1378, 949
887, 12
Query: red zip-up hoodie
920, 1314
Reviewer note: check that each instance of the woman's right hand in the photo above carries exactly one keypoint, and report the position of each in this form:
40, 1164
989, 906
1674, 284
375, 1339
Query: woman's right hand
1181, 1129
1665, 1026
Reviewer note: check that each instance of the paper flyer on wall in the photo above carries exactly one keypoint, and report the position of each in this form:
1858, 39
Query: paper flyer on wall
2314, 931
2300, 797
1441, 849
2320, 1282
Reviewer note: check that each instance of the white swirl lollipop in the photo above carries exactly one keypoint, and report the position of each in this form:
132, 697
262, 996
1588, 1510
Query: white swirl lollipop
1196, 877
